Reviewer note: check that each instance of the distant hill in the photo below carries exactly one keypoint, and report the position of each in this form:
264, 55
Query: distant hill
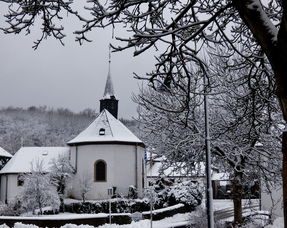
42, 126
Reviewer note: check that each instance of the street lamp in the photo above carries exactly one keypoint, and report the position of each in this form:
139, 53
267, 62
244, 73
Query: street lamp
209, 195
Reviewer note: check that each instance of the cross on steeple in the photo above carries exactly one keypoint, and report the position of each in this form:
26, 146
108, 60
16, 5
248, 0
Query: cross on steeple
109, 89
109, 101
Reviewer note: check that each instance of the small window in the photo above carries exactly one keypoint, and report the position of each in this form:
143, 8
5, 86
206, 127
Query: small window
100, 171
20, 180
102, 131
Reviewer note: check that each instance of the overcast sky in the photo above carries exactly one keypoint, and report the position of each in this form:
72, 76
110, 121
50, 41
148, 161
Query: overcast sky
71, 77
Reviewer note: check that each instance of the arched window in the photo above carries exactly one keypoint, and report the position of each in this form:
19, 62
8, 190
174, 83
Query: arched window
100, 170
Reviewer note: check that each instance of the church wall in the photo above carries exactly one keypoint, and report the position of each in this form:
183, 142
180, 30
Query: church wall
121, 168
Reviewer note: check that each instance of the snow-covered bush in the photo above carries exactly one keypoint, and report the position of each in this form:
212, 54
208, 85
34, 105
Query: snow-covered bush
186, 192
132, 194
168, 193
13, 208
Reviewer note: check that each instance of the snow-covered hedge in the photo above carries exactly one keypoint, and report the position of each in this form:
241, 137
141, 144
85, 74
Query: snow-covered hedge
118, 205
163, 195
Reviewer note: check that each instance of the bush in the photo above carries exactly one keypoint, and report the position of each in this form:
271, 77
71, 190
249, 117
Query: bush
169, 194
12, 209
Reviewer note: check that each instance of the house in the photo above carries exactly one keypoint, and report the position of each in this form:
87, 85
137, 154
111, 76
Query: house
4, 153
158, 166
4, 157
106, 152
21, 163
178, 171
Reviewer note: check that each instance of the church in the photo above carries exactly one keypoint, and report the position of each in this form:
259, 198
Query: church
106, 152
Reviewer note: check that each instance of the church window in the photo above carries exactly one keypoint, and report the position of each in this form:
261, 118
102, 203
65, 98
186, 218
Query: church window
100, 170
102, 131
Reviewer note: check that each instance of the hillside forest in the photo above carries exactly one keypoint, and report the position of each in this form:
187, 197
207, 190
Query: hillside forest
43, 126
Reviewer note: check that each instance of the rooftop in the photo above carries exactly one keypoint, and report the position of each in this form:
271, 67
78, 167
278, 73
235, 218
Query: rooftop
25, 157
105, 128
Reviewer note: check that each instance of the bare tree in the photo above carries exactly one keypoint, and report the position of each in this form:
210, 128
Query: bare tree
61, 173
244, 115
37, 191
85, 185
241, 118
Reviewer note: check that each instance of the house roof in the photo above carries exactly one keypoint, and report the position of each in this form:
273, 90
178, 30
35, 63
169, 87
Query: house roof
4, 153
178, 169
105, 129
25, 157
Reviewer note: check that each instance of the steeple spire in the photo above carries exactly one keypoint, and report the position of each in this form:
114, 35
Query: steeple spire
109, 89
109, 101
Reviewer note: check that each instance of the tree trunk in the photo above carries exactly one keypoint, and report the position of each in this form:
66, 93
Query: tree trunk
276, 52
237, 203
236, 197
284, 175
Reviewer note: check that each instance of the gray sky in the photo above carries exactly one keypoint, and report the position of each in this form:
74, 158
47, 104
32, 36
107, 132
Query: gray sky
71, 77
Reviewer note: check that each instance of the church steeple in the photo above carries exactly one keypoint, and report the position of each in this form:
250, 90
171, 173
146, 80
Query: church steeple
109, 101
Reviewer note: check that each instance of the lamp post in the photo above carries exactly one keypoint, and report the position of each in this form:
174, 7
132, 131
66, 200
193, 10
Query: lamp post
110, 193
209, 195
151, 198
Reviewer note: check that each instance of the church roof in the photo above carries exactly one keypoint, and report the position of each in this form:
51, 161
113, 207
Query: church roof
4, 153
25, 157
105, 129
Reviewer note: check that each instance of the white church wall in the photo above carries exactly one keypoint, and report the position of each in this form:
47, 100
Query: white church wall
121, 168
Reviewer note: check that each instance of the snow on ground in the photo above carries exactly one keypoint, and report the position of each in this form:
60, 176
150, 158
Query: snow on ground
220, 204
176, 220
58, 216
278, 223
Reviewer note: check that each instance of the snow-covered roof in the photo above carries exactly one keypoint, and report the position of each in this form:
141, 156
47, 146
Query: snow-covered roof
179, 169
25, 157
4, 153
105, 128
220, 176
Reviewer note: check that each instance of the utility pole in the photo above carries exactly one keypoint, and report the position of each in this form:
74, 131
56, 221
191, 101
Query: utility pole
209, 195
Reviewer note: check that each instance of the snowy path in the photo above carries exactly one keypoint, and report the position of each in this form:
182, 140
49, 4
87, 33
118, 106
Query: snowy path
223, 209
228, 213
